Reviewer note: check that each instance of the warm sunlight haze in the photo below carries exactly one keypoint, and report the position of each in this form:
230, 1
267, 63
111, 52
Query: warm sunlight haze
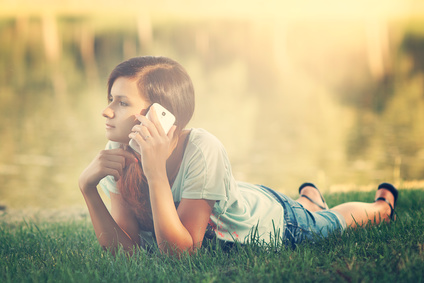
322, 91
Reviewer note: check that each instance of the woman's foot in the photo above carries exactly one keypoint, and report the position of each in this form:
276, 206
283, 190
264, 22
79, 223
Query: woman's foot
311, 198
387, 195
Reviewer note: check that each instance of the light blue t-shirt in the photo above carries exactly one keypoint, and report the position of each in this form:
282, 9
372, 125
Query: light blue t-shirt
205, 173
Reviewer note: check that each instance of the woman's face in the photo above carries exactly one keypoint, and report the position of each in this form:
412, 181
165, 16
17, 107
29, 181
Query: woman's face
125, 101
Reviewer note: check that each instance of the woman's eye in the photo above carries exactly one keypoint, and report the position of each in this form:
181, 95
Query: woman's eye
123, 103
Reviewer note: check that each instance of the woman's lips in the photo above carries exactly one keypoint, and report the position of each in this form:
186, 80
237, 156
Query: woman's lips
108, 126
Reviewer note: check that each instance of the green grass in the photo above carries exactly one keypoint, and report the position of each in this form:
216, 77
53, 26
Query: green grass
38, 251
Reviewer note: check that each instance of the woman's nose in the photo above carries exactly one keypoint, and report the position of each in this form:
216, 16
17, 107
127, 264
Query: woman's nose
108, 113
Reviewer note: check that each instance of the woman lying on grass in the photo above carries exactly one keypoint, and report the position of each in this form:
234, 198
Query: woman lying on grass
180, 189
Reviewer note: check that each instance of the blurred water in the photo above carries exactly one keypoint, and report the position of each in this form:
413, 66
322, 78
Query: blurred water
290, 104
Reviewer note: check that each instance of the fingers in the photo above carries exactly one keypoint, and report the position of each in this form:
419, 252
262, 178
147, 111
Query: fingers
114, 161
150, 135
111, 164
146, 129
119, 153
107, 162
142, 131
152, 124
171, 132
154, 118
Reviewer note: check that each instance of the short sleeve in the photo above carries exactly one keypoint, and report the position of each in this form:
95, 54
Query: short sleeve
207, 171
108, 183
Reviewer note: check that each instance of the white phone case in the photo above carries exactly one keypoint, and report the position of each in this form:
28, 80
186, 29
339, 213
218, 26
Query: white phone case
166, 119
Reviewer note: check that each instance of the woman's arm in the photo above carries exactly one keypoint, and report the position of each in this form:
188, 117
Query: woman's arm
110, 233
178, 230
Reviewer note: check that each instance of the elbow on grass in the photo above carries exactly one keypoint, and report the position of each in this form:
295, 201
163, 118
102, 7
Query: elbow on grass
178, 251
114, 250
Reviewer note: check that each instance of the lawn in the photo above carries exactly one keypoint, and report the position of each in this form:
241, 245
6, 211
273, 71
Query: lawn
67, 251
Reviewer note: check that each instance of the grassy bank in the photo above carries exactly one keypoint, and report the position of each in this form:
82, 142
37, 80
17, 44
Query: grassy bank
67, 251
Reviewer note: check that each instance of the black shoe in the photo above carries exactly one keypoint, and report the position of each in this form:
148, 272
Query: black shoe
325, 207
395, 194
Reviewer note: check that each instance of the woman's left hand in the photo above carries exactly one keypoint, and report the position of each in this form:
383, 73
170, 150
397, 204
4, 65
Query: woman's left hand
154, 143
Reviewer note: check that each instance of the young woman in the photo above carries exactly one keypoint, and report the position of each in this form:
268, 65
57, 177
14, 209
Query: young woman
180, 189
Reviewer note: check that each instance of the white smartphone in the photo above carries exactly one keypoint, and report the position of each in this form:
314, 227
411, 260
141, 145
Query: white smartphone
166, 119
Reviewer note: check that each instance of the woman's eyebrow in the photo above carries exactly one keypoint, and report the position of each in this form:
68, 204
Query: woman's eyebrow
118, 96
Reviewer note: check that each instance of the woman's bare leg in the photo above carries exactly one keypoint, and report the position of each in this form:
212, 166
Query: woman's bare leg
360, 213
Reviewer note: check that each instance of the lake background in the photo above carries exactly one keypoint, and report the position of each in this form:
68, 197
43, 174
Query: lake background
330, 93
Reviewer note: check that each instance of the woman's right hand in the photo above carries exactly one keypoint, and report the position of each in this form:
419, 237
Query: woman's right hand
107, 162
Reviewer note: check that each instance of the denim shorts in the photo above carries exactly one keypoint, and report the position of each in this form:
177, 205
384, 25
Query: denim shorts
302, 224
